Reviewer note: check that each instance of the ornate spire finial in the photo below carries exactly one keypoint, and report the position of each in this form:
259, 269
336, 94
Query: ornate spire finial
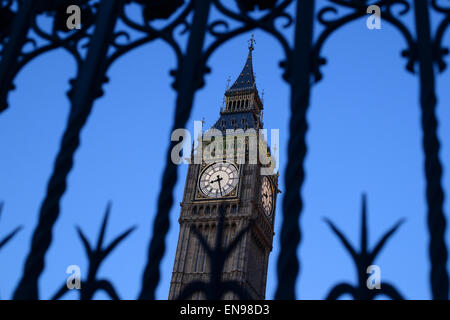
246, 79
251, 43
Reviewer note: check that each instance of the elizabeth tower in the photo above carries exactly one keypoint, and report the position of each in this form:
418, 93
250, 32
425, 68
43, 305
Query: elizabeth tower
247, 189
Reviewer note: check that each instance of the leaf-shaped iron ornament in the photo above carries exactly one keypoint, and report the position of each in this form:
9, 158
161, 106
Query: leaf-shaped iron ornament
215, 288
11, 235
363, 259
338, 13
96, 256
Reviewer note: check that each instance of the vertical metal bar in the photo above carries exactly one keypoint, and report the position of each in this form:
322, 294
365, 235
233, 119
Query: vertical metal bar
188, 80
86, 89
11, 53
299, 77
433, 168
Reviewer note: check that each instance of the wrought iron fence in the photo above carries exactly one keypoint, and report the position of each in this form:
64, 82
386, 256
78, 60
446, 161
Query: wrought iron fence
99, 43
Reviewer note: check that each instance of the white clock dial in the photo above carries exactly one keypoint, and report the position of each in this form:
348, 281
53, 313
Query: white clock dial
218, 179
267, 196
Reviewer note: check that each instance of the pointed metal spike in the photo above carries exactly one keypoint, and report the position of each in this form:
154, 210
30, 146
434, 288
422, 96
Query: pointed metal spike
9, 236
85, 241
344, 241
384, 239
116, 241
364, 230
101, 236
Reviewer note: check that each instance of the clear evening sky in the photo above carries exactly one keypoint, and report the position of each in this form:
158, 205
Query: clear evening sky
364, 136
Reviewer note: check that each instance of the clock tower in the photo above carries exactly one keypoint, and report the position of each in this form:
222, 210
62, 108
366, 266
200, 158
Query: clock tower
231, 166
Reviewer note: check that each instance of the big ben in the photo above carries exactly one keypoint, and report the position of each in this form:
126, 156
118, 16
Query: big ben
245, 185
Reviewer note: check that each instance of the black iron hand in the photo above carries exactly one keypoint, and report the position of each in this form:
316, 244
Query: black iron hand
220, 188
218, 181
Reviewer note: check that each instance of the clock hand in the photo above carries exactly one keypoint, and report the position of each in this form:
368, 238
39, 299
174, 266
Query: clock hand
220, 188
218, 181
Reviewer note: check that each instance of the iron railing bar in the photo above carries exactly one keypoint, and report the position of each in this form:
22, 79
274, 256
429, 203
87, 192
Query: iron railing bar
433, 167
188, 81
299, 75
90, 77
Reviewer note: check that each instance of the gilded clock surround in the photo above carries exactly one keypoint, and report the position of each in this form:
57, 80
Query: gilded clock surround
200, 196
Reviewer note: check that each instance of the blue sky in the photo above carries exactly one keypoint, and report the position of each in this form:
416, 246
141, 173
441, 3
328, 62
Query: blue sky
364, 136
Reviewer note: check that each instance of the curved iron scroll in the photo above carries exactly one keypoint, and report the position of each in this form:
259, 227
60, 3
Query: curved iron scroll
41, 39
439, 50
359, 10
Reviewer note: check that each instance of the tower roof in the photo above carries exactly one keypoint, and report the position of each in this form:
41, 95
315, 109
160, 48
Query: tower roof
241, 111
246, 79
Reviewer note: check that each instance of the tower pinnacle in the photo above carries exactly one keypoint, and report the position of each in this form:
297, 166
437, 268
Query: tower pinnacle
251, 43
242, 107
246, 80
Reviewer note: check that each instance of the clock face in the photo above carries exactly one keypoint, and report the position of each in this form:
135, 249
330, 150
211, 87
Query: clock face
218, 179
267, 196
